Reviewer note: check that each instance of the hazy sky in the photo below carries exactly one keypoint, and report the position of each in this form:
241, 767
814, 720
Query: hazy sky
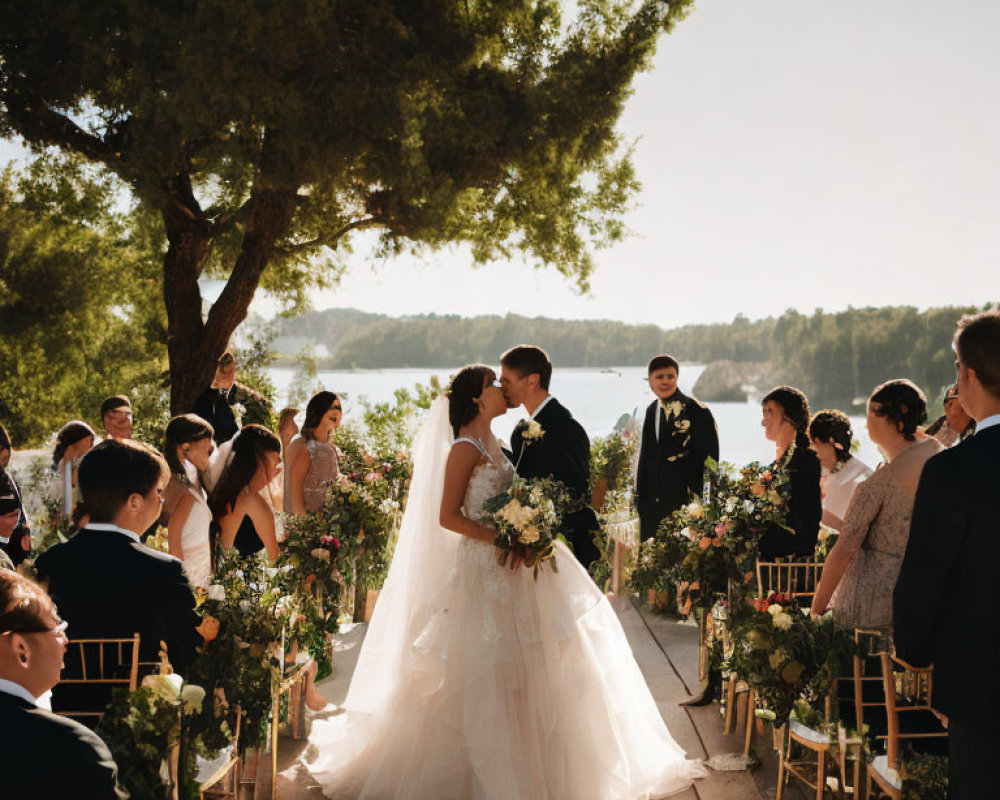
793, 153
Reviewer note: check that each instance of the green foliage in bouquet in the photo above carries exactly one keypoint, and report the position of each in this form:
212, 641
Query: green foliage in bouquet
708, 549
141, 727
527, 518
784, 654
251, 611
925, 776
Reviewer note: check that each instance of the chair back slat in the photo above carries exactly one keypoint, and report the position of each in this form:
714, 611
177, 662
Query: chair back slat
113, 668
907, 689
796, 579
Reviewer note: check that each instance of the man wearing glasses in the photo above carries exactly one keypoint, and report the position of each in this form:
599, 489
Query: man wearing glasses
116, 416
43, 755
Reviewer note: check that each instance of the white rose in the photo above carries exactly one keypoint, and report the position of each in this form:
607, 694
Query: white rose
782, 621
695, 509
215, 592
529, 535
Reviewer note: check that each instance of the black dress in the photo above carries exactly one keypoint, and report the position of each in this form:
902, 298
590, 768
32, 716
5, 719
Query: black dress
805, 509
247, 540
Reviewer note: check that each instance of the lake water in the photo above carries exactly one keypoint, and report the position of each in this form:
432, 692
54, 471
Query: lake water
597, 398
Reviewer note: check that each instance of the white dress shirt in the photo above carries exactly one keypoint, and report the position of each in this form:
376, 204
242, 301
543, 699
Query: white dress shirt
16, 689
107, 526
989, 422
541, 406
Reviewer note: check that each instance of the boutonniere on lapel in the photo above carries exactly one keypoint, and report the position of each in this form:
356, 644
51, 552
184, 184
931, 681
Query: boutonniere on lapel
238, 411
680, 427
532, 431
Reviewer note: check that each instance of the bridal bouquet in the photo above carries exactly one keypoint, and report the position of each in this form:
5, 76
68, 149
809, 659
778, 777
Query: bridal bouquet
527, 518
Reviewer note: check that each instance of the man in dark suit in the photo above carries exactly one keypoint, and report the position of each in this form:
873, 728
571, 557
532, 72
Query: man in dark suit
944, 605
105, 582
551, 444
42, 755
215, 404
678, 437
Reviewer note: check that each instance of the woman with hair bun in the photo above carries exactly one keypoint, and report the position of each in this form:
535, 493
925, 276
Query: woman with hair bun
832, 436
245, 519
188, 447
785, 419
74, 440
861, 570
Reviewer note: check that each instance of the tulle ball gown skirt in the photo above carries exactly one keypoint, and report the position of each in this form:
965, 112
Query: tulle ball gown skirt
507, 688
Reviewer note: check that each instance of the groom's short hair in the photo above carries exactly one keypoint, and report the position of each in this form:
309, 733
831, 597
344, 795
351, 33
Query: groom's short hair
114, 471
662, 361
529, 360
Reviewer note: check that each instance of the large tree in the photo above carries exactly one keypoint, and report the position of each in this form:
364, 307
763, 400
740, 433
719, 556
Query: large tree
263, 133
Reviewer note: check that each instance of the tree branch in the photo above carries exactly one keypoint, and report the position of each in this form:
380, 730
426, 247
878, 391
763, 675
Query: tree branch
331, 239
39, 124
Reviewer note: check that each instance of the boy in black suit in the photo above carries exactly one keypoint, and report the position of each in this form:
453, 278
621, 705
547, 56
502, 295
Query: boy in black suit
944, 604
105, 582
678, 437
43, 755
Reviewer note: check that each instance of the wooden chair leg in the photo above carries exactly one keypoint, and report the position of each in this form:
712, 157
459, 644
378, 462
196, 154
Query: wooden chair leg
730, 704
820, 774
748, 739
782, 756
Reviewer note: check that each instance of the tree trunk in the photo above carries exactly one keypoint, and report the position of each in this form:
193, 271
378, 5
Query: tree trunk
193, 344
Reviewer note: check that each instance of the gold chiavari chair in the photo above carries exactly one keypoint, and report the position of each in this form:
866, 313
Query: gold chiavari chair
95, 668
833, 746
221, 777
908, 695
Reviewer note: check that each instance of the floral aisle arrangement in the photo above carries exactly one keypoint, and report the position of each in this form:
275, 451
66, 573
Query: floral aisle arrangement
785, 654
527, 517
611, 459
144, 727
709, 548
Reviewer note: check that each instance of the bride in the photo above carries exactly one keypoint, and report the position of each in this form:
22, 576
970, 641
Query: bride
476, 682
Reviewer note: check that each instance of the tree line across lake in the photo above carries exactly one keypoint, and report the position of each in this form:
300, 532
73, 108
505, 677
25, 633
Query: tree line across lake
835, 357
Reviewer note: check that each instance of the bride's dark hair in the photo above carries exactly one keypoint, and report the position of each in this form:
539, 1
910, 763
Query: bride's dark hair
463, 391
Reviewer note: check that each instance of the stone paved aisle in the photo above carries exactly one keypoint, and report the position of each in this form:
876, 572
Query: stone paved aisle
698, 731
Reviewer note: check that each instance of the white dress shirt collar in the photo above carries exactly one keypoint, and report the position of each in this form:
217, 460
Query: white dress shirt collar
989, 422
16, 689
541, 406
107, 526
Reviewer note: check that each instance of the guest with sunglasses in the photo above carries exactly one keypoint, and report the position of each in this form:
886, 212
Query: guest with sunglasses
32, 643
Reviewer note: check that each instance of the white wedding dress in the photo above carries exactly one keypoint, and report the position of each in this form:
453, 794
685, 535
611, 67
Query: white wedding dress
478, 683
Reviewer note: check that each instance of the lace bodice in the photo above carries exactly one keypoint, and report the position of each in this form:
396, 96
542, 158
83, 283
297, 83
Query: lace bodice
487, 480
323, 470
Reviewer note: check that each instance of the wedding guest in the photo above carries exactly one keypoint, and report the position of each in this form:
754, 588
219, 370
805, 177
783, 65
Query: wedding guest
116, 416
74, 440
245, 519
106, 583
288, 431
216, 405
188, 447
955, 425
831, 435
944, 605
678, 437
861, 570
785, 419
15, 543
43, 755
10, 514
315, 460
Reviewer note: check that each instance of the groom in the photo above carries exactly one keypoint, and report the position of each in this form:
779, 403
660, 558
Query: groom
552, 444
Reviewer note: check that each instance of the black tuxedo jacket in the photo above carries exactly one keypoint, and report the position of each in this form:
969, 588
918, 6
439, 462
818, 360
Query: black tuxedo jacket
663, 485
562, 453
47, 757
107, 586
805, 509
217, 411
945, 601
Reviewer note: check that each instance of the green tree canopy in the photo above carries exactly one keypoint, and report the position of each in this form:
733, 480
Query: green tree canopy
261, 134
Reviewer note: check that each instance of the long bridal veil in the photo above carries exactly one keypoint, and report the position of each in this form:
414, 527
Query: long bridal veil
422, 562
